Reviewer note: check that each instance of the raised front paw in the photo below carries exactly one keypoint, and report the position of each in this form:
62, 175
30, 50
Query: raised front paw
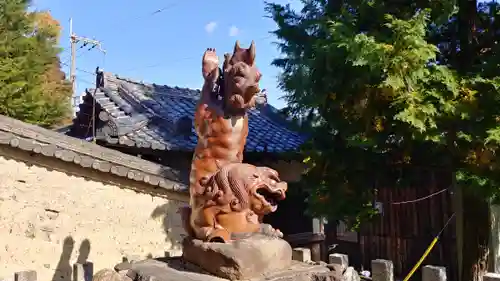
210, 65
268, 230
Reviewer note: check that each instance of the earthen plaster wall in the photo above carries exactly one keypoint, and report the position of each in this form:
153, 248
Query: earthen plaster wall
53, 214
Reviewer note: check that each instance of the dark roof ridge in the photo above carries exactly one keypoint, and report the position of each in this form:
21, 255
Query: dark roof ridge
165, 87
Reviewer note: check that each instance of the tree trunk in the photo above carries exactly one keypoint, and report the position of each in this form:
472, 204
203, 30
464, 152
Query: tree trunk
476, 232
476, 212
467, 15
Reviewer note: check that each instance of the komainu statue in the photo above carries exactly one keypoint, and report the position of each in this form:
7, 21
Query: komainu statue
228, 197
234, 198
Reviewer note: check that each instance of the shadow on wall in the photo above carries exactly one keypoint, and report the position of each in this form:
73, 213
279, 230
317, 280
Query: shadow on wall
64, 269
172, 224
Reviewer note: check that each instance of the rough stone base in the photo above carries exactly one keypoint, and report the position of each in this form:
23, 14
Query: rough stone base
175, 269
241, 259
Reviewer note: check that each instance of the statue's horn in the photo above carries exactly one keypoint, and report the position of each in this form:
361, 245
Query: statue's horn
227, 59
251, 53
236, 47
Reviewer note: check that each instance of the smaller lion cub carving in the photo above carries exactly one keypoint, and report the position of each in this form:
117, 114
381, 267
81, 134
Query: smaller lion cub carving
233, 199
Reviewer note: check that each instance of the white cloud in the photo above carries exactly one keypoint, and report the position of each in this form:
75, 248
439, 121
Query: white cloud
210, 27
233, 31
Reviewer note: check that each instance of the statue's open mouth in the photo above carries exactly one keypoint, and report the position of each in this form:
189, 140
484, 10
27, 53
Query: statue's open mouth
271, 197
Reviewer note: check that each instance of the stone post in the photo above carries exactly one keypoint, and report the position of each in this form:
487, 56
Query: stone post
83, 272
318, 228
433, 273
382, 270
29, 275
301, 254
491, 277
338, 262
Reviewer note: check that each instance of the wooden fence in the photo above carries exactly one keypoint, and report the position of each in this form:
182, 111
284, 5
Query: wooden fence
410, 219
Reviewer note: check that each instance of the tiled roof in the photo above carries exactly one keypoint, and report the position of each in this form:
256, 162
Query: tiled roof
40, 141
133, 113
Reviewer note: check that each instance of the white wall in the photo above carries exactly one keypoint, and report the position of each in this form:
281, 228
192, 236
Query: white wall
40, 209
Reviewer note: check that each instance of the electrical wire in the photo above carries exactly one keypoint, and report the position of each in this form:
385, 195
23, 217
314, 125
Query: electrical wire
181, 59
85, 81
168, 7
104, 59
82, 70
157, 64
149, 14
155, 12
78, 55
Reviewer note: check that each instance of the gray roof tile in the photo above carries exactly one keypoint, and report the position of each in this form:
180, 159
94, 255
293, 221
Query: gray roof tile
148, 113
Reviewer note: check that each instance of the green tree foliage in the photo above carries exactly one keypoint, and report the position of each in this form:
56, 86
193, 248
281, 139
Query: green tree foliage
28, 58
389, 86
56, 89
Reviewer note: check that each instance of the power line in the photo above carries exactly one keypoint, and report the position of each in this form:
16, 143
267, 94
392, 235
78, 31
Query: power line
184, 59
85, 81
79, 69
79, 53
159, 64
149, 14
168, 7
74, 68
152, 13
74, 40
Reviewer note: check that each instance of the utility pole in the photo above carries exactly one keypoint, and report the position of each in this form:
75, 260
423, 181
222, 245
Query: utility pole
74, 40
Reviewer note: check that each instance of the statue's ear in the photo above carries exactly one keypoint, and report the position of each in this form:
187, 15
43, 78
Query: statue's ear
251, 54
227, 59
237, 47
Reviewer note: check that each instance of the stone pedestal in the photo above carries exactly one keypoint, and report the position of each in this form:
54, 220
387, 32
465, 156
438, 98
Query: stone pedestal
175, 269
251, 257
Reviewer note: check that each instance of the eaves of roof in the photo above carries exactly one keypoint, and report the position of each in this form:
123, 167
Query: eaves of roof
49, 143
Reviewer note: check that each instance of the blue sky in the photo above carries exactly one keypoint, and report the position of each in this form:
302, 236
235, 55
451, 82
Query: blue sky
165, 47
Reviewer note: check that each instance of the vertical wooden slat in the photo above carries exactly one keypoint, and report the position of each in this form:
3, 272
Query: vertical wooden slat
397, 233
393, 226
433, 225
413, 193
